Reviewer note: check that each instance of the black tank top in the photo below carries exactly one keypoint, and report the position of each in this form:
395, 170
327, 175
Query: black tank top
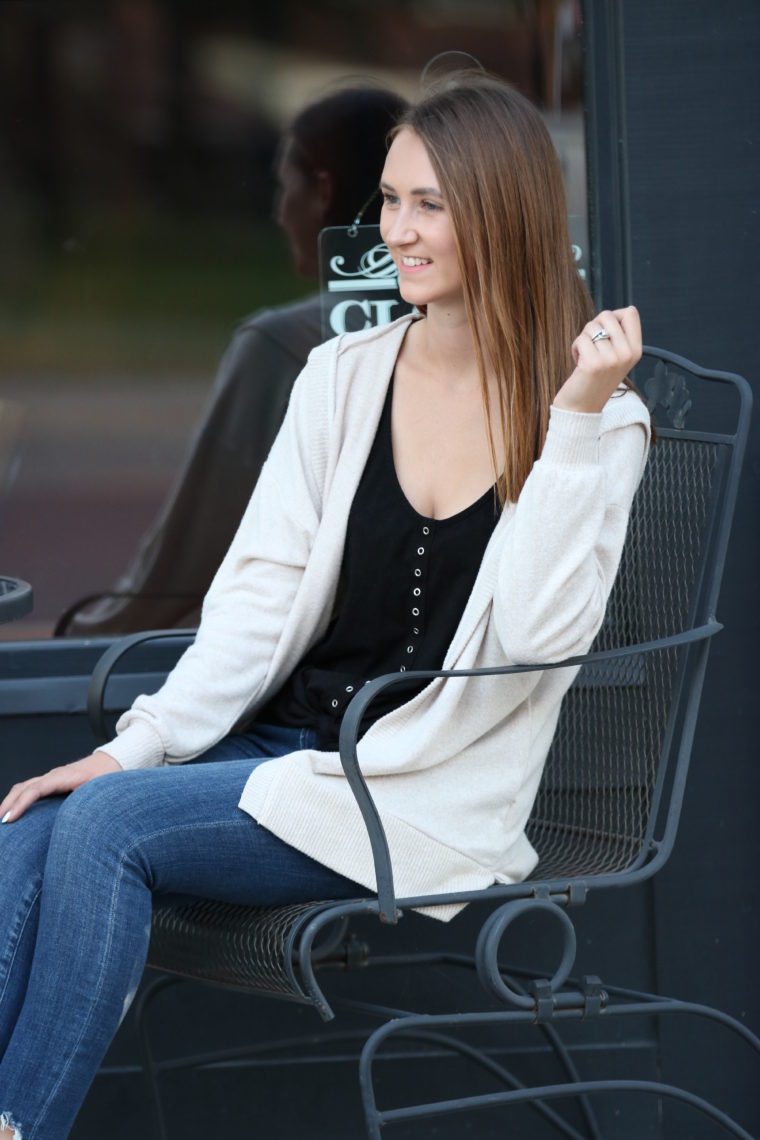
405, 580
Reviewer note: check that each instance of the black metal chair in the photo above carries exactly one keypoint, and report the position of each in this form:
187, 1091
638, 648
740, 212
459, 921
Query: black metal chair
607, 810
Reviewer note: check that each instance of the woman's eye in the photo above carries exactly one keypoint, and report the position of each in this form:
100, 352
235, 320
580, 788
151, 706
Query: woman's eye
430, 207
390, 200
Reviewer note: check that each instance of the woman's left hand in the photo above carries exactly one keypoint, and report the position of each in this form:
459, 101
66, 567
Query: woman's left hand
603, 362
57, 782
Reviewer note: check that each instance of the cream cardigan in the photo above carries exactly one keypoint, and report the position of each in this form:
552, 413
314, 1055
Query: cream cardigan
454, 771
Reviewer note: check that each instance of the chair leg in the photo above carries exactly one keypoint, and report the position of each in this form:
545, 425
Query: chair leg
429, 1025
480, 1058
149, 1066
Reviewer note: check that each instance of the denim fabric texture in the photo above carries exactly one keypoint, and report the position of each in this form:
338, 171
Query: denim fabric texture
77, 884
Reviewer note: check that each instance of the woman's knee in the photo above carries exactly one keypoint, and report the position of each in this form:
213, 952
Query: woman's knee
24, 843
92, 817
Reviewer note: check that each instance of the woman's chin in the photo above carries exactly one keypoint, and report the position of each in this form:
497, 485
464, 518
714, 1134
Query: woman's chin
412, 293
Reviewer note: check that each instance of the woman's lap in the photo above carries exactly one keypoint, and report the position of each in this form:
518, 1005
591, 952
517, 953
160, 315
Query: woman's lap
183, 821
182, 826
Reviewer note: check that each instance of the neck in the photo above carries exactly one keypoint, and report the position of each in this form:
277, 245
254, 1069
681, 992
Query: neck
449, 345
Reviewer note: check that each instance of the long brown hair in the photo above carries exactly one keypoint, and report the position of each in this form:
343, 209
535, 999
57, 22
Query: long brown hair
501, 180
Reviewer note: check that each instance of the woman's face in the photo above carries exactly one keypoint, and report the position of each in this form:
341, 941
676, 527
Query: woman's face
299, 210
416, 226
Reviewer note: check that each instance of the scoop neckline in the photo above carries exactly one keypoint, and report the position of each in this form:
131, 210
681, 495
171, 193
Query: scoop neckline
489, 493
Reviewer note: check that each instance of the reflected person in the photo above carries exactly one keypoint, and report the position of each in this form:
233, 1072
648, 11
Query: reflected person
328, 167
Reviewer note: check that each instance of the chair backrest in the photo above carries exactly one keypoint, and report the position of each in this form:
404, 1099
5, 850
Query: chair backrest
610, 795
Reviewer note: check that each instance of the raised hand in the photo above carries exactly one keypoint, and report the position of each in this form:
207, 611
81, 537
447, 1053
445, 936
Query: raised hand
604, 353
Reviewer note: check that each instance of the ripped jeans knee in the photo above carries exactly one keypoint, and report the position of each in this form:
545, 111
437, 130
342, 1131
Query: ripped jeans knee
7, 1121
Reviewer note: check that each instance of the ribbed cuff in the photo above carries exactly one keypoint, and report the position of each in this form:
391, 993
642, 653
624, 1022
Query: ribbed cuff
573, 437
138, 746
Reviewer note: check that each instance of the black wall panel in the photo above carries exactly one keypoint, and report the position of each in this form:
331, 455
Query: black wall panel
674, 115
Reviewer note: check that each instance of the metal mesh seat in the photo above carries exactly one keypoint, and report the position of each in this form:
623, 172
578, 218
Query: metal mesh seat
240, 946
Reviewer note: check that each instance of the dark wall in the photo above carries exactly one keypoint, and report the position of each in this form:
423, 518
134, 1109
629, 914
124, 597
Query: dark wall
675, 153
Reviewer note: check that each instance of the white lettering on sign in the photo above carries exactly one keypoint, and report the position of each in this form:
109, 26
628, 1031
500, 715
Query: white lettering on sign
377, 270
577, 256
376, 312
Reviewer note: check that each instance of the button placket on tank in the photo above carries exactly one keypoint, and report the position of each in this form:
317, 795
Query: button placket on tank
348, 690
420, 557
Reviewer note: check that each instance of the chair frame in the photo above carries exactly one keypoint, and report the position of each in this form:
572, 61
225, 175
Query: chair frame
16, 599
543, 1001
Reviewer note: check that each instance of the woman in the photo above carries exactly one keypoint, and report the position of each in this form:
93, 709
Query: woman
448, 490
327, 169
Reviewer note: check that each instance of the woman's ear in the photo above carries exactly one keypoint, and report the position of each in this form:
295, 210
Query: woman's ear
325, 191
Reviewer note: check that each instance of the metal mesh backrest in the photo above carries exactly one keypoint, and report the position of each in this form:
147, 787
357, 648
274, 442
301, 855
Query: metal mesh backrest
594, 804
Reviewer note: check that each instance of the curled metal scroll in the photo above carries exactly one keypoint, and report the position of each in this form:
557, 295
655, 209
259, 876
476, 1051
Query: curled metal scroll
668, 390
487, 950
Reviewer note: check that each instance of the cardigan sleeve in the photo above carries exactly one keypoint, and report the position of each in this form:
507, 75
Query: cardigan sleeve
567, 530
220, 677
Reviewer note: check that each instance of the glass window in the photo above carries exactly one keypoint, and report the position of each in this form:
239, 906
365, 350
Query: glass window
138, 150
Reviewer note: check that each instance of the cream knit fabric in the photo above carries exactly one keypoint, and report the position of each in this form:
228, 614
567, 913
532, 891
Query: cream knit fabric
455, 770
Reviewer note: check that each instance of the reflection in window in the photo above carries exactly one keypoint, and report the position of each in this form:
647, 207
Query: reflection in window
138, 145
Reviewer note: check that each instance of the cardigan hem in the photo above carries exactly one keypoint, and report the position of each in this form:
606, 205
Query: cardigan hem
421, 864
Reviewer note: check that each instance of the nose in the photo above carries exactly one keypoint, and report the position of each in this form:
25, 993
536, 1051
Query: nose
398, 227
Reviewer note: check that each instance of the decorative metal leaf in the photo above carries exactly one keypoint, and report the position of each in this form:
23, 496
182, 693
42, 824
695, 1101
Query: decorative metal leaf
668, 390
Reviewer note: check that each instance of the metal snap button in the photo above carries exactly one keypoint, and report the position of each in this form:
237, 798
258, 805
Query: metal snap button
334, 704
410, 649
426, 530
415, 631
415, 611
349, 688
418, 573
416, 591
420, 549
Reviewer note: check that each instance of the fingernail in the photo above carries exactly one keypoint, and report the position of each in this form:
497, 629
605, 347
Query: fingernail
6, 817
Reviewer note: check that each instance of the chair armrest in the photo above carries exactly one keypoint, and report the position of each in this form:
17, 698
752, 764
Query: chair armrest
349, 732
96, 690
349, 729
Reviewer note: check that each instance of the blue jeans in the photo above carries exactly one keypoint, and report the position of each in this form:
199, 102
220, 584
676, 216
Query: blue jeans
77, 876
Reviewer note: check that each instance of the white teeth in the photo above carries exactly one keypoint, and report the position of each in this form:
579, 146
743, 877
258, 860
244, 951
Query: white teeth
416, 260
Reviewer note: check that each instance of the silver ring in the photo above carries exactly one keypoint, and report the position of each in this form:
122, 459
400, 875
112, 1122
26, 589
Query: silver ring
601, 334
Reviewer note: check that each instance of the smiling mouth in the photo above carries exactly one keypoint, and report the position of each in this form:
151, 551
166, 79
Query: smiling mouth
413, 262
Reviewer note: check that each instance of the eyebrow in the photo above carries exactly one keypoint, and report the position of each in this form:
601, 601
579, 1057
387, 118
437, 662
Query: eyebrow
422, 191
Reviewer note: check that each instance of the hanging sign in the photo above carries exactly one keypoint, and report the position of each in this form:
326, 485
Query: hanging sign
358, 280
578, 226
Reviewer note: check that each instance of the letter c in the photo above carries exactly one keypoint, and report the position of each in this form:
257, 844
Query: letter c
338, 315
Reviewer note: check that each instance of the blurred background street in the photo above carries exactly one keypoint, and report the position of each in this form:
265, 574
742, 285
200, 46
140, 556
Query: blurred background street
92, 468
